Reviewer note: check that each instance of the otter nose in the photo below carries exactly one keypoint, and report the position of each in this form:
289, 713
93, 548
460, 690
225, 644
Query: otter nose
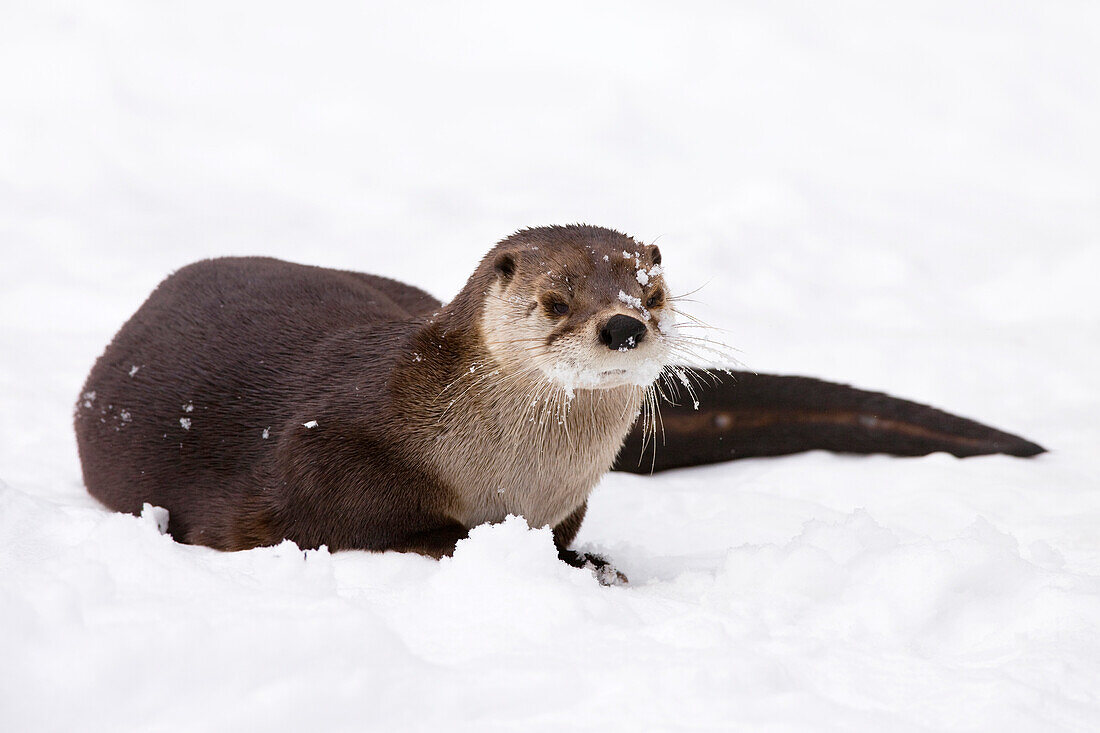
622, 332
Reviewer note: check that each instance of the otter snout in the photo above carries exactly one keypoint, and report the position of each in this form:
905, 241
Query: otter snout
622, 332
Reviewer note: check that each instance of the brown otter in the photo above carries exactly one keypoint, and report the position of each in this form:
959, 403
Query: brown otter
259, 400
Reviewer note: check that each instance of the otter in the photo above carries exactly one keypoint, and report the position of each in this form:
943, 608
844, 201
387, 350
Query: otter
259, 400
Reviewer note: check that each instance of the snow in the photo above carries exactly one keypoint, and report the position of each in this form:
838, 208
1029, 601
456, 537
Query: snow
634, 302
310, 425
900, 196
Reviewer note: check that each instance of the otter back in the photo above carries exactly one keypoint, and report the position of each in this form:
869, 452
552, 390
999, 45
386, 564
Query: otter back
187, 406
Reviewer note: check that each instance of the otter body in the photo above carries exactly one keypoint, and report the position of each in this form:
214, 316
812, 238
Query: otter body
259, 400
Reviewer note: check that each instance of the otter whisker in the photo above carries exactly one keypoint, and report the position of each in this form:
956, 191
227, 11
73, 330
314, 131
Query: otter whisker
649, 428
682, 296
693, 345
702, 339
649, 425
701, 326
672, 385
683, 374
689, 352
661, 420
692, 317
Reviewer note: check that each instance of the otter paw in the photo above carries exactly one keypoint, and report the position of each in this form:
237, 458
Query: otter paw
605, 572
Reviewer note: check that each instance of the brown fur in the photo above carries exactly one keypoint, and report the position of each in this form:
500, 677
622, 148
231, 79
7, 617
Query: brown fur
746, 415
430, 419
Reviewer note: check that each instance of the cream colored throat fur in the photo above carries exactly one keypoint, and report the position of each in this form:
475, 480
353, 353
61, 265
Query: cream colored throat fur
518, 444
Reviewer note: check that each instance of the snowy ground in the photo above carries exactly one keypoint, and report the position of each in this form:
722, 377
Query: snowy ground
900, 196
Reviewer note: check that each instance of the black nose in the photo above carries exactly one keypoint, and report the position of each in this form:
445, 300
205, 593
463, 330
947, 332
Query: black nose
622, 332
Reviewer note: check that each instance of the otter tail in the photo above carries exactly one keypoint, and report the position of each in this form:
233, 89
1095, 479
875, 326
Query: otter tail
742, 415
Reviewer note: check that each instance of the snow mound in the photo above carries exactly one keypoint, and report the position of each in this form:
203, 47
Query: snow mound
847, 617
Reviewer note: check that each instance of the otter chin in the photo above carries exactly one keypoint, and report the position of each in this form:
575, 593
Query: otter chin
280, 401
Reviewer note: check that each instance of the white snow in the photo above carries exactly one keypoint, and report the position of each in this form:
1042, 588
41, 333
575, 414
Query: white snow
157, 515
635, 303
185, 423
901, 196
310, 425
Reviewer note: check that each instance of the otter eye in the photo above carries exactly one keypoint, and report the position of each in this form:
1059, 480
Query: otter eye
559, 308
655, 300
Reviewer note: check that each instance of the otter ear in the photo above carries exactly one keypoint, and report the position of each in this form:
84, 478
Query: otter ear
505, 265
655, 254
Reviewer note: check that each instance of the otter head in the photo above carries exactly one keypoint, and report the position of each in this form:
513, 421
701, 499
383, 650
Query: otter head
586, 307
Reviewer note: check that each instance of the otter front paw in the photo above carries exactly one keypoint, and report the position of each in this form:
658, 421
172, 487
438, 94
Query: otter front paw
604, 571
